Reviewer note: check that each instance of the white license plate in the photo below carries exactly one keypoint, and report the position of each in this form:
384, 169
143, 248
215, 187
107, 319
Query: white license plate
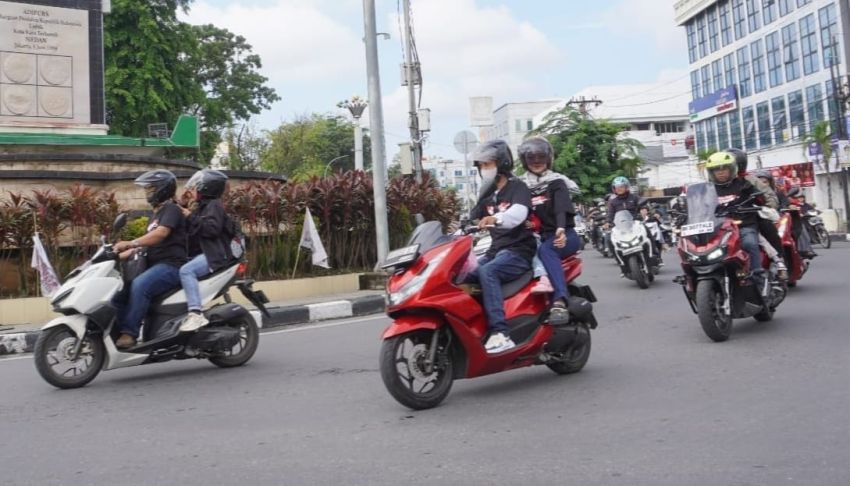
698, 228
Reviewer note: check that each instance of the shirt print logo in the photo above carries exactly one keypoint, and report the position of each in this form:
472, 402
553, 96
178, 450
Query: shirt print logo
154, 225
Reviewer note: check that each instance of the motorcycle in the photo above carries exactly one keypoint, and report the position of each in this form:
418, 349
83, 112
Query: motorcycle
797, 265
634, 250
581, 230
716, 280
439, 326
817, 230
73, 348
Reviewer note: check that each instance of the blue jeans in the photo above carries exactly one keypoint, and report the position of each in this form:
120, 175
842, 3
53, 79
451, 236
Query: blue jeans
189, 275
551, 258
750, 243
133, 303
491, 274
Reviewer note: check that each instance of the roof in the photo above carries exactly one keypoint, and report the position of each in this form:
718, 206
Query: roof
185, 134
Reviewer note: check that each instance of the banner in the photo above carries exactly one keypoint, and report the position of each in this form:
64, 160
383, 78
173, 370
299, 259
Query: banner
795, 175
49, 281
310, 240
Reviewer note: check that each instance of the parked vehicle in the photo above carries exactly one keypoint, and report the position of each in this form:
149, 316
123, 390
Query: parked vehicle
439, 326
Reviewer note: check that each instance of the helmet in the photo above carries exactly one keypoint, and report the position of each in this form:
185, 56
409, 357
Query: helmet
766, 174
209, 183
620, 181
160, 185
740, 159
720, 160
538, 146
497, 151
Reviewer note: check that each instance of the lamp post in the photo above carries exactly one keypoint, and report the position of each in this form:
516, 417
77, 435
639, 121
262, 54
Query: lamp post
331, 162
355, 106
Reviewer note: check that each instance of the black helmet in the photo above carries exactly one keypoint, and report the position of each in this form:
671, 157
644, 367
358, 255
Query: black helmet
209, 183
536, 146
160, 185
498, 151
766, 174
740, 159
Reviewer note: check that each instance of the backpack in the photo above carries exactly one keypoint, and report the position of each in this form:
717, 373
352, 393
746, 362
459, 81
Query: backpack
233, 233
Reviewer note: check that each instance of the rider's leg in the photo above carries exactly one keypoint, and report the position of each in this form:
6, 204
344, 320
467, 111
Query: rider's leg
189, 274
750, 243
154, 281
504, 267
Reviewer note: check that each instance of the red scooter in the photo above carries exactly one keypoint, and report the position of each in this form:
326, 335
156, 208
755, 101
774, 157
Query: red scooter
439, 326
797, 266
717, 281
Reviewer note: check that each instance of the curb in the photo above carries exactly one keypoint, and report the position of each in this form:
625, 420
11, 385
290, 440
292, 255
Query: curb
24, 342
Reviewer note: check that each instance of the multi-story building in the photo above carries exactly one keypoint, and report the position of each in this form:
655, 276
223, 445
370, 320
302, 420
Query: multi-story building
513, 121
762, 74
452, 174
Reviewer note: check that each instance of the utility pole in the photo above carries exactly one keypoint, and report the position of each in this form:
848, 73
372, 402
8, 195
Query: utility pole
582, 103
376, 126
411, 71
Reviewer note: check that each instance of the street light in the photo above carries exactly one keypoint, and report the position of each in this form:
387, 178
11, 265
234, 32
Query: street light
331, 162
355, 106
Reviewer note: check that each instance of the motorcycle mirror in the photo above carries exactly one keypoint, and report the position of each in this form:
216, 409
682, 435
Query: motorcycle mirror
794, 192
118, 224
419, 218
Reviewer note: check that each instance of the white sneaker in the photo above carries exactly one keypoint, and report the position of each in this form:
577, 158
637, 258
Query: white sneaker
193, 322
498, 343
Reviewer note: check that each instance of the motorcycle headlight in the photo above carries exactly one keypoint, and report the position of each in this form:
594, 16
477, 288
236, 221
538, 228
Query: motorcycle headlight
782, 228
715, 254
415, 284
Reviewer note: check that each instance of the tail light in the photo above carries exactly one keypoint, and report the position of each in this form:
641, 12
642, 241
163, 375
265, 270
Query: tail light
241, 269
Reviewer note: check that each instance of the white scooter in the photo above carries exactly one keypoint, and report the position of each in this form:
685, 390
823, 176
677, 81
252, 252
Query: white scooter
634, 249
73, 348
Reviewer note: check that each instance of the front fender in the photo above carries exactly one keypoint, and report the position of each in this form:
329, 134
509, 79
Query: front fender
411, 322
76, 322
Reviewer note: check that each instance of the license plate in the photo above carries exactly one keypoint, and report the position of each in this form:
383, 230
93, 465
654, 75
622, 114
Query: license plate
401, 256
698, 228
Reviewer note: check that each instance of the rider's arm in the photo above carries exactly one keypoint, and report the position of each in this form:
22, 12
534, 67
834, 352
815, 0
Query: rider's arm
513, 217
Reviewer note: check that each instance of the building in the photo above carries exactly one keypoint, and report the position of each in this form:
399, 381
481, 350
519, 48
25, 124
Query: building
452, 174
513, 121
760, 79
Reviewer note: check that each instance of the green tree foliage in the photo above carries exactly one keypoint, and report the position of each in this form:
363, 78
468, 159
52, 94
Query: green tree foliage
303, 148
591, 152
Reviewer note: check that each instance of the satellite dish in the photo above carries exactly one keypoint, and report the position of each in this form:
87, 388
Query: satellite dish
465, 142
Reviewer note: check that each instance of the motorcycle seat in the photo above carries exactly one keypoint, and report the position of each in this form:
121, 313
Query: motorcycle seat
159, 299
509, 289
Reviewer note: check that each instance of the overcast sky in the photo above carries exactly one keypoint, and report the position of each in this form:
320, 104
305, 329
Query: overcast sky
512, 50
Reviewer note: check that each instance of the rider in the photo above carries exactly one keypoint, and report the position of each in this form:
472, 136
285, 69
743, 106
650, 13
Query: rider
553, 207
503, 206
768, 216
166, 252
722, 168
208, 244
623, 199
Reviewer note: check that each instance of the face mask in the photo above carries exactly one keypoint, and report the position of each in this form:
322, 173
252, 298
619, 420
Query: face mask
489, 175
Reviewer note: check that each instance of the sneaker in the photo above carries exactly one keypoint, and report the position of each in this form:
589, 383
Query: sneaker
193, 322
543, 286
498, 343
558, 314
781, 271
125, 341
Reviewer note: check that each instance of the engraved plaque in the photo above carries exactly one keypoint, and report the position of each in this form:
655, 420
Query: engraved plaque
18, 68
18, 100
55, 70
55, 101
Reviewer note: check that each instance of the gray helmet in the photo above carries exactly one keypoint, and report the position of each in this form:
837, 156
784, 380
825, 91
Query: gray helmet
209, 183
536, 146
497, 151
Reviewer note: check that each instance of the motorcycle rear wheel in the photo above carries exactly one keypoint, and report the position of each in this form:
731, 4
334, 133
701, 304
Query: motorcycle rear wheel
716, 324
823, 236
574, 358
53, 352
403, 362
636, 270
249, 339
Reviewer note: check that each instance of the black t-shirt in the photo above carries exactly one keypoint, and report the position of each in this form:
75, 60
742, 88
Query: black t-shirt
553, 206
628, 202
171, 250
519, 239
735, 192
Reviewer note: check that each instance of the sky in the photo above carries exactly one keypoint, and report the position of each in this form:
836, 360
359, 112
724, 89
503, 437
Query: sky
512, 50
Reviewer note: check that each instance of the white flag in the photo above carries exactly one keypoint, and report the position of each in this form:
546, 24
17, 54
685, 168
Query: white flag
49, 282
310, 240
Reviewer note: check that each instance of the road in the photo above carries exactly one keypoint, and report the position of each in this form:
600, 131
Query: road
657, 404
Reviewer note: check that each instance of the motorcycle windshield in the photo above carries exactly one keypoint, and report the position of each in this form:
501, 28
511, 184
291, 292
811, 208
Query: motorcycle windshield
428, 235
702, 206
624, 222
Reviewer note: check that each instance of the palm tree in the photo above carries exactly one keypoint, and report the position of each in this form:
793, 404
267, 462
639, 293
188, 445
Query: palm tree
822, 137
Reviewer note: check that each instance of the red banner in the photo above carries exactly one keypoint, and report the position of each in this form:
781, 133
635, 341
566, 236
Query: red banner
794, 175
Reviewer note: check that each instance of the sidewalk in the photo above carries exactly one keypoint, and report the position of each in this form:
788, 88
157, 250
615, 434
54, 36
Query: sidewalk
21, 339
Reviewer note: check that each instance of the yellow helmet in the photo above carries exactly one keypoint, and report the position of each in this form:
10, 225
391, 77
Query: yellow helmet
721, 160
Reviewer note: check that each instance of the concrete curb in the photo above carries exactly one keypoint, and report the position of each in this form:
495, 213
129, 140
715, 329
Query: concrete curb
24, 342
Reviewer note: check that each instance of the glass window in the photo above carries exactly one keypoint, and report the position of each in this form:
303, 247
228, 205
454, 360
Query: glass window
473, 172
710, 134
797, 113
700, 141
729, 69
458, 173
774, 59
706, 80
791, 52
785, 7
460, 186
717, 75
749, 128
753, 15
757, 52
517, 125
800, 3
735, 129
701, 37
832, 106
769, 11
713, 32
814, 103
529, 124
725, 22
739, 18
809, 44
780, 121
829, 34
722, 131
763, 115
695, 84
692, 42
744, 86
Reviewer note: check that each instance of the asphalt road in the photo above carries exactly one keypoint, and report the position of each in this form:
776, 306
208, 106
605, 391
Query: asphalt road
657, 404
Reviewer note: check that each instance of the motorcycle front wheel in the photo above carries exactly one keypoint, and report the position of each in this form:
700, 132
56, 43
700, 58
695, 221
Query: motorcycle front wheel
716, 324
823, 236
636, 270
406, 373
54, 360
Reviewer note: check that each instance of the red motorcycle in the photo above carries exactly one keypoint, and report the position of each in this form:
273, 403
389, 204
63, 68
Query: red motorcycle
797, 266
717, 280
439, 326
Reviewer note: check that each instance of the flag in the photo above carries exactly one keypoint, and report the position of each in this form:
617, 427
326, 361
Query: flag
49, 282
310, 240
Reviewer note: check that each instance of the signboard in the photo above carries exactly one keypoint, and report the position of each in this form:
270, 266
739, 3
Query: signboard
481, 111
794, 175
717, 103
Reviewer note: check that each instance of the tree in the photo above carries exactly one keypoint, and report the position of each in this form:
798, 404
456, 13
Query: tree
245, 146
821, 136
591, 152
304, 147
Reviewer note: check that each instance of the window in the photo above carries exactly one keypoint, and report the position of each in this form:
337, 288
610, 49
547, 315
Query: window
700, 127
774, 59
809, 44
797, 113
749, 128
706, 80
780, 121
701, 37
473, 172
791, 52
800, 3
753, 15
722, 131
517, 125
735, 129
459, 186
744, 86
757, 52
692, 42
695, 84
528, 125
669, 127
814, 103
769, 8
458, 173
640, 127
713, 38
785, 7
717, 75
832, 106
763, 115
710, 134
729, 69
829, 34
725, 22
739, 18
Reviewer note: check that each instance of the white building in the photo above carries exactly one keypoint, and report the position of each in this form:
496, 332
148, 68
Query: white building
512, 121
452, 174
760, 78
